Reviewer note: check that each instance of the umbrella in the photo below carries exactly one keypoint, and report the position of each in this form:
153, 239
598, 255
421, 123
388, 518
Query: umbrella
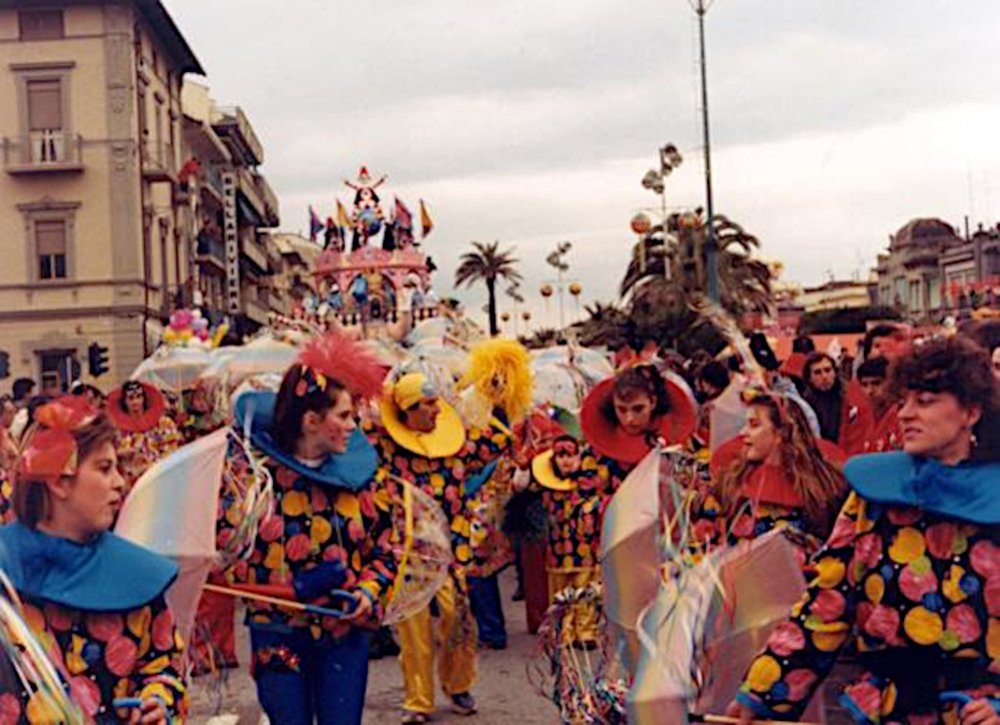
263, 355
630, 551
583, 357
424, 557
25, 663
171, 510
453, 359
706, 625
435, 328
173, 369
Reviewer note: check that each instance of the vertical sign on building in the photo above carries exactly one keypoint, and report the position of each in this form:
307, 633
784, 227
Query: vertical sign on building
231, 239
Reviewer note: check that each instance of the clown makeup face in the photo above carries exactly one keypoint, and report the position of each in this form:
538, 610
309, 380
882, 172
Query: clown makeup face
936, 425
634, 412
86, 504
135, 399
760, 436
422, 417
566, 458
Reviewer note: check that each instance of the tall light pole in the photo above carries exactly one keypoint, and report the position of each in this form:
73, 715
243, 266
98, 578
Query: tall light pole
656, 181
701, 7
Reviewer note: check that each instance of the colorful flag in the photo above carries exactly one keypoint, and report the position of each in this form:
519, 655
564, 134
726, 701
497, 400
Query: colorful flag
403, 217
426, 223
343, 220
315, 225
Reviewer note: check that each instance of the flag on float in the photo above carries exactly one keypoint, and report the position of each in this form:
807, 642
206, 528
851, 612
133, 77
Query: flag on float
315, 225
426, 223
343, 220
403, 216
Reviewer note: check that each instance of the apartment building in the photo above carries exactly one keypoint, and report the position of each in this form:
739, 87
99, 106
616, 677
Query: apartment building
90, 127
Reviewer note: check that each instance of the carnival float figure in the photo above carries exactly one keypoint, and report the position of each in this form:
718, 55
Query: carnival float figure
146, 432
97, 599
367, 216
330, 536
911, 567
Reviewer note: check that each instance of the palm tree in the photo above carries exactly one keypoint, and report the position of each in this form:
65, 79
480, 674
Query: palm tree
745, 283
488, 264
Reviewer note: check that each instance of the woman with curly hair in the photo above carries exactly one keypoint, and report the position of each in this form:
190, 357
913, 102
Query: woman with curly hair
146, 432
911, 569
777, 474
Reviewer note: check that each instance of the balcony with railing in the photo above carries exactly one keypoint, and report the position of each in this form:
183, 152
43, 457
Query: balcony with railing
210, 250
233, 126
40, 152
158, 162
270, 201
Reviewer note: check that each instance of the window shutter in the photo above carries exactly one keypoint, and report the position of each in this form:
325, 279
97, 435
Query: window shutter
50, 237
44, 105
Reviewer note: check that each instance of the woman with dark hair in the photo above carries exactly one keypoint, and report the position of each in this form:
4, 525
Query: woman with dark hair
625, 416
97, 598
911, 568
987, 334
146, 432
329, 537
777, 474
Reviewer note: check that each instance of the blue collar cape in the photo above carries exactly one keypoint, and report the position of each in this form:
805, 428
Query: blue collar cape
968, 491
352, 470
108, 574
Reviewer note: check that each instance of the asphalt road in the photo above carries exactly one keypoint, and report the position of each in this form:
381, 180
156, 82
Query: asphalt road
504, 694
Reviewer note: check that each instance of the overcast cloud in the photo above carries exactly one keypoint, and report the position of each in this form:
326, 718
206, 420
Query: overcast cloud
833, 121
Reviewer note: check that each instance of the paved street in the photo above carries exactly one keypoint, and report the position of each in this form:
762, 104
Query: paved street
504, 694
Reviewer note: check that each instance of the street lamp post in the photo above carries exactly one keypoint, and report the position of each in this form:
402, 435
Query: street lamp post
701, 8
656, 181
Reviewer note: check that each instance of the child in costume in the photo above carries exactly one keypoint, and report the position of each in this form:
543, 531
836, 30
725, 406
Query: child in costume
96, 598
146, 432
910, 569
422, 440
329, 539
573, 495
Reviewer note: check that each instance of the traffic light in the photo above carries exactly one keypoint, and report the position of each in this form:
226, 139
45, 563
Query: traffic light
97, 359
4, 364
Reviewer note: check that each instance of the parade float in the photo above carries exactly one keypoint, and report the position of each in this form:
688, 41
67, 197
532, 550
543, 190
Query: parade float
372, 269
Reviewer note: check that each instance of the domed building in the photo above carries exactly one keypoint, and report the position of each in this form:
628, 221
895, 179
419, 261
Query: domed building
909, 273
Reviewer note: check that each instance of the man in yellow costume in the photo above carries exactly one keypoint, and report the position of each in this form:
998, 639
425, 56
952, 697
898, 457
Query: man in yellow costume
422, 440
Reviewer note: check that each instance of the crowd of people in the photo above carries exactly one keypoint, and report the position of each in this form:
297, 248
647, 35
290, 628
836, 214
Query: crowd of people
881, 473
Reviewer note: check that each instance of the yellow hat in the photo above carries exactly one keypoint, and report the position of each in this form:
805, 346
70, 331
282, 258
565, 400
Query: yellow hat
545, 473
448, 435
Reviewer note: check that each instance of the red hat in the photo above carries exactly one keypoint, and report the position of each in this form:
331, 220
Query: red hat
608, 439
50, 450
156, 407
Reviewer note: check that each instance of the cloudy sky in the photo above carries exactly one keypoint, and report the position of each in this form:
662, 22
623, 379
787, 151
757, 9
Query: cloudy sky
533, 121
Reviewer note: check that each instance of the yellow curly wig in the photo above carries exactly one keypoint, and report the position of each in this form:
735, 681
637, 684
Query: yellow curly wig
500, 371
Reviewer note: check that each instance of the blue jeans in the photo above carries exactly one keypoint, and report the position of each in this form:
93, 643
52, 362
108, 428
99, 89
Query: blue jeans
300, 682
484, 596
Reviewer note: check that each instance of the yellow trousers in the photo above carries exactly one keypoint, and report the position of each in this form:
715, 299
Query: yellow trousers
454, 638
581, 624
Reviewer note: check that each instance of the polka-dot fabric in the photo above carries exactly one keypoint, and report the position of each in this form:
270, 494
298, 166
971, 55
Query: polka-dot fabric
139, 450
102, 657
897, 579
573, 519
312, 524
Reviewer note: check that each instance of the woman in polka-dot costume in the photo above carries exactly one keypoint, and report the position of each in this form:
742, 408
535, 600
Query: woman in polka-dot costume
911, 569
